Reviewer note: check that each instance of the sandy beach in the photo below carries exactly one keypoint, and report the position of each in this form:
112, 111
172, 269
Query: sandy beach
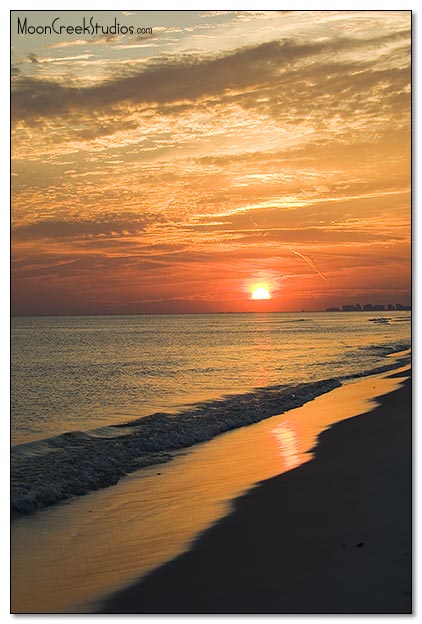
107, 541
330, 536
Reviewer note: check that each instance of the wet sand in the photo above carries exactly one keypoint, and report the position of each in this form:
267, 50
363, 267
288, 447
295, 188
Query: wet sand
330, 536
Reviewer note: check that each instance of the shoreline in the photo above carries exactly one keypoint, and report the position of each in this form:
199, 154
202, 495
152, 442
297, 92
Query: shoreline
330, 536
44, 472
107, 540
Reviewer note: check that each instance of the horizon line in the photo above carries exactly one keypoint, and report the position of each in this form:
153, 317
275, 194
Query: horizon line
324, 311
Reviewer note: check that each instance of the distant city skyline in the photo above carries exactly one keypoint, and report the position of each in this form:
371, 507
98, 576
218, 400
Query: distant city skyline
369, 307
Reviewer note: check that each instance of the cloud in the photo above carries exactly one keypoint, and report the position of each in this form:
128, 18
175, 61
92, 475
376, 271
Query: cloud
33, 58
128, 224
190, 78
69, 44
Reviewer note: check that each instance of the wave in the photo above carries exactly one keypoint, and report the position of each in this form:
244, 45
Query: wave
384, 349
50, 471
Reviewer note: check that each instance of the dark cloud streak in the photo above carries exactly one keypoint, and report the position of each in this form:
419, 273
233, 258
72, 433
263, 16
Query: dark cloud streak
191, 78
126, 225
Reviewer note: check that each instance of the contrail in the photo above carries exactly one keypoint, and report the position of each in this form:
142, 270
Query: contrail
310, 262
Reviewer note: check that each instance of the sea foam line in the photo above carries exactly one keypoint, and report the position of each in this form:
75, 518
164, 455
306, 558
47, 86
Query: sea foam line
49, 471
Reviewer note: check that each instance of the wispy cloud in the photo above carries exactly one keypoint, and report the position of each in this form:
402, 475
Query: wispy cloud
229, 144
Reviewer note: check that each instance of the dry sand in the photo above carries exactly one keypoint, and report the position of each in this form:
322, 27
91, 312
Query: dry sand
331, 536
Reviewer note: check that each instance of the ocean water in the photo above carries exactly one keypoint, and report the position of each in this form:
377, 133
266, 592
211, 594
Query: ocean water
95, 398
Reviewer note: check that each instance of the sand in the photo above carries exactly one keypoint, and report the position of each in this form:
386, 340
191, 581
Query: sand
330, 536
68, 557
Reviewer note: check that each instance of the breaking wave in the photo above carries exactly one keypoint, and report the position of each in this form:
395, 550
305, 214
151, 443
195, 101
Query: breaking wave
49, 471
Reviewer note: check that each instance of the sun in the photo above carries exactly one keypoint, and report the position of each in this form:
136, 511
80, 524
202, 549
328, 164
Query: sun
259, 292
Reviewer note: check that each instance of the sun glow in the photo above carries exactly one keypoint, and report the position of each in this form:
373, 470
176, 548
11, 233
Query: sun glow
260, 292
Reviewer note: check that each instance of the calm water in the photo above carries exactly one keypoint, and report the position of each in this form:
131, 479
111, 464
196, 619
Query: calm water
80, 373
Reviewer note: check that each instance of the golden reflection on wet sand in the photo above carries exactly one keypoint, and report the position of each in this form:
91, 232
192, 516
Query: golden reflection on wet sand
66, 557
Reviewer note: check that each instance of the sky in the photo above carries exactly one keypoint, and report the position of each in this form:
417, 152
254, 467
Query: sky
178, 170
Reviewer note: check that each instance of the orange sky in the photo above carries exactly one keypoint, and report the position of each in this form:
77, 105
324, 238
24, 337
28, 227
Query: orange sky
171, 172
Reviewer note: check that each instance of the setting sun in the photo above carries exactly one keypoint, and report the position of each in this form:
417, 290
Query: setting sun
260, 293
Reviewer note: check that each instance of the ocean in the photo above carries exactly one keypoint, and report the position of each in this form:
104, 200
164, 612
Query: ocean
95, 398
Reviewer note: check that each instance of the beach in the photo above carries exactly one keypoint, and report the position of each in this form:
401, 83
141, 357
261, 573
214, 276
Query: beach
333, 535
109, 540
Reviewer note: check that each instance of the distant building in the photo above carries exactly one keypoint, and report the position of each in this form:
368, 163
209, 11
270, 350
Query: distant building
370, 307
